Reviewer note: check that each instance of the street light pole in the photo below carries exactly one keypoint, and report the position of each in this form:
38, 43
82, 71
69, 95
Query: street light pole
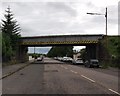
106, 25
106, 20
106, 29
101, 14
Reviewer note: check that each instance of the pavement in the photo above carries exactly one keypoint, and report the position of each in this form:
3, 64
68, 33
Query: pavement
11, 69
29, 80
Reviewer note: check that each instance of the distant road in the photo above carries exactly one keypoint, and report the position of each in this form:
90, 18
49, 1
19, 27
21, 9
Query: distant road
54, 77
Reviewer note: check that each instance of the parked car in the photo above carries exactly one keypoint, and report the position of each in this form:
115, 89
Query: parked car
78, 61
69, 59
40, 58
92, 63
55, 58
64, 59
59, 58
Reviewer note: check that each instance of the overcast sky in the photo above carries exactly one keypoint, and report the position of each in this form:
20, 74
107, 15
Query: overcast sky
61, 17
51, 18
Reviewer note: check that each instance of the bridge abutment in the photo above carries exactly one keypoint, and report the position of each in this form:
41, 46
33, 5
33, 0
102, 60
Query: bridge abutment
22, 54
92, 51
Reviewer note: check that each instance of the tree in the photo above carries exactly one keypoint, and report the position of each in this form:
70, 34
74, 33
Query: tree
11, 28
60, 51
118, 46
83, 54
118, 51
10, 35
10, 25
0, 46
7, 51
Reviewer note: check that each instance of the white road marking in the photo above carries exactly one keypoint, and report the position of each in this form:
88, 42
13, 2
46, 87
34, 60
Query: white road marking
114, 91
73, 71
88, 78
65, 67
91, 80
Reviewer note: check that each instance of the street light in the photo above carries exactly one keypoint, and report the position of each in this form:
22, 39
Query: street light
101, 14
106, 23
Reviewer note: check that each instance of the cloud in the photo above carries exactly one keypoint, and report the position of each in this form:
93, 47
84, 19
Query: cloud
51, 18
113, 14
119, 18
61, 17
60, 7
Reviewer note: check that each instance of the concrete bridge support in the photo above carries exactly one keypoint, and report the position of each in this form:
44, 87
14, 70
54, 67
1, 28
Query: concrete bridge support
92, 51
22, 54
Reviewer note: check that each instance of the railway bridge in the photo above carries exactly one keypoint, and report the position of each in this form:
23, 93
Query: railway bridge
90, 41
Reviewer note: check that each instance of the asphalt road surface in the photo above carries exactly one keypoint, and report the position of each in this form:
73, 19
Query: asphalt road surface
54, 77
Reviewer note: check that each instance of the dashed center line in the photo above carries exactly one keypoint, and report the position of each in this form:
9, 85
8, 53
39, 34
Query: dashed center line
65, 67
61, 66
73, 71
114, 91
88, 78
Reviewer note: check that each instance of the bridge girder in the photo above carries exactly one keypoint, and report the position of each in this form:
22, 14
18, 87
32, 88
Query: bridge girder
60, 40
